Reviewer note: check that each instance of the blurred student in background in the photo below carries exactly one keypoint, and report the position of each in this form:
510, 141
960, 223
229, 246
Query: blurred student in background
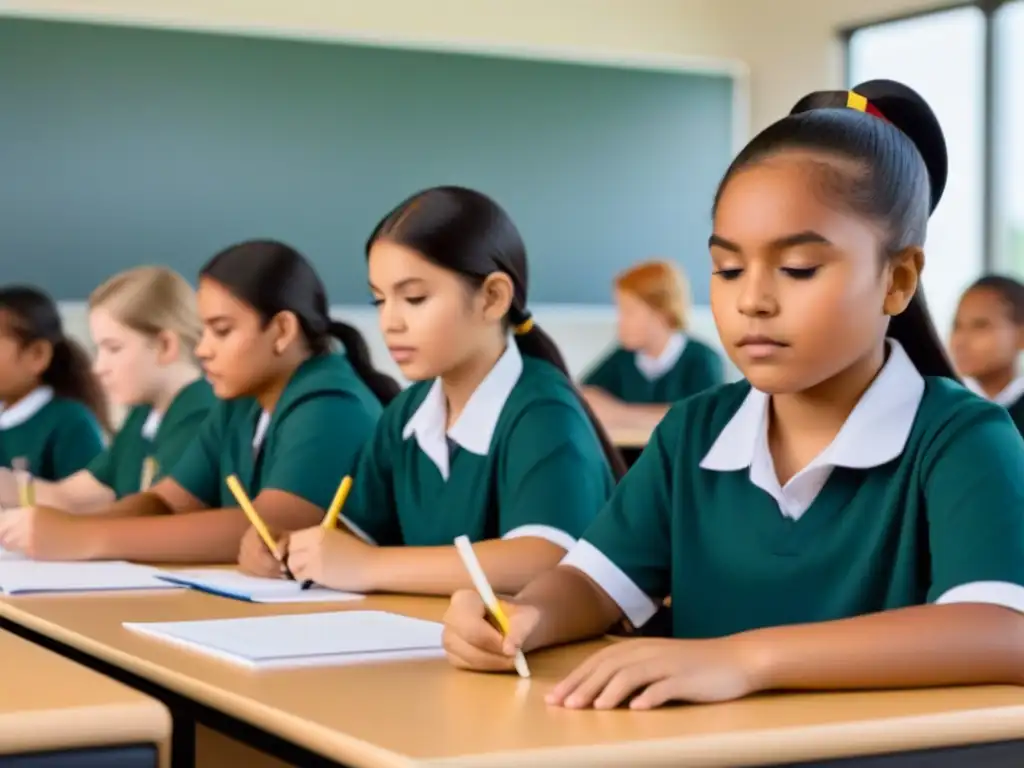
656, 362
52, 410
291, 420
988, 336
145, 327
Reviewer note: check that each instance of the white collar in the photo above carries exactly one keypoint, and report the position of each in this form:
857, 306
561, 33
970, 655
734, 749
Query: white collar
655, 367
875, 432
478, 420
1009, 395
26, 408
152, 424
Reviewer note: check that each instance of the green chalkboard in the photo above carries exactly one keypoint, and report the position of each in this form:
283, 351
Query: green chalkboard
121, 146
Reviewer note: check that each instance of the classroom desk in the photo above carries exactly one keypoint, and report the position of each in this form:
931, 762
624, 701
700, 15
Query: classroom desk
57, 714
634, 438
423, 713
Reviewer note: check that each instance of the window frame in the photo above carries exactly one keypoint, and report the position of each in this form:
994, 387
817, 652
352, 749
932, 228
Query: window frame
989, 172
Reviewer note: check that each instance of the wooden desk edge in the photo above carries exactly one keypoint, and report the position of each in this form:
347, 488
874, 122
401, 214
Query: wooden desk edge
754, 748
744, 748
144, 722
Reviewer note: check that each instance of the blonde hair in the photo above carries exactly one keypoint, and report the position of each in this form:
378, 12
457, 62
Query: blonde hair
663, 287
151, 300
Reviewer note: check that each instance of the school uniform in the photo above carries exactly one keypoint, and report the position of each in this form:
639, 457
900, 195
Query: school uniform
521, 460
55, 436
311, 440
149, 438
917, 500
685, 367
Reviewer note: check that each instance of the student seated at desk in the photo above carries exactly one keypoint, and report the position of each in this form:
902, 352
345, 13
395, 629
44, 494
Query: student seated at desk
847, 517
657, 363
145, 327
52, 409
291, 420
988, 336
492, 442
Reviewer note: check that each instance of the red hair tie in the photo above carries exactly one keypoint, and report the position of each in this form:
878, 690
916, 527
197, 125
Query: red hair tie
855, 101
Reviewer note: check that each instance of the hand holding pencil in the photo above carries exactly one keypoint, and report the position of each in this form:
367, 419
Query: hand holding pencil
257, 522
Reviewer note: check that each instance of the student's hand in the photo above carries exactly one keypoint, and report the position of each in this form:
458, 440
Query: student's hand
42, 533
255, 559
332, 558
658, 671
471, 641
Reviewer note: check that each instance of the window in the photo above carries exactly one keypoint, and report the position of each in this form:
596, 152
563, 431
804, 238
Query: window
942, 56
1008, 134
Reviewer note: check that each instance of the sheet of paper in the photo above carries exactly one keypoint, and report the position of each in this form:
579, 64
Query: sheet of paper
345, 637
243, 587
19, 577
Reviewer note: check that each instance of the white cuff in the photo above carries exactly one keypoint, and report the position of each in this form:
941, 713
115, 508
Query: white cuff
1002, 593
634, 602
359, 532
546, 532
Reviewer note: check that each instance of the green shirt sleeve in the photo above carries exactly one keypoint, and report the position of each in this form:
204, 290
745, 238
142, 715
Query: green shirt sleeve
198, 469
317, 443
77, 441
974, 496
605, 374
174, 439
627, 549
371, 508
102, 467
554, 478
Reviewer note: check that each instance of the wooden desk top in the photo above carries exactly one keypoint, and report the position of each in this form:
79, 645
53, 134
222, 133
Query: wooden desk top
424, 713
50, 703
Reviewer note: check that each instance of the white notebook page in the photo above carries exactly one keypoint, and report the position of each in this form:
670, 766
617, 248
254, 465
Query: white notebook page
302, 639
28, 576
259, 590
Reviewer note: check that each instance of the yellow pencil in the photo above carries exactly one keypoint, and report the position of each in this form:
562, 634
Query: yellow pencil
257, 522
149, 470
26, 485
334, 511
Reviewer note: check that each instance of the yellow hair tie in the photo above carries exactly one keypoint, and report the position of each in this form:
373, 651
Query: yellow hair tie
524, 327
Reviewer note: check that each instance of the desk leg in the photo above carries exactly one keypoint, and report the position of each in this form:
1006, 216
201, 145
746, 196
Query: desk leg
216, 750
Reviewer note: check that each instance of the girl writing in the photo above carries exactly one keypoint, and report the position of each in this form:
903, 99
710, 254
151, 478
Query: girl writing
846, 517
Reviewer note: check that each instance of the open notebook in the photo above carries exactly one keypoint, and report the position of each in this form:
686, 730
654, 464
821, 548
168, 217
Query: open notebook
23, 576
229, 583
307, 639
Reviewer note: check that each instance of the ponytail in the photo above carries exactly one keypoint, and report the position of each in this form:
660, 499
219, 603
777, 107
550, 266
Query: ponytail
534, 342
382, 385
70, 376
915, 331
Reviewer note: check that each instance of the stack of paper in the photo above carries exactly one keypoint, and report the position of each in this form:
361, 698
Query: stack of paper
252, 588
309, 639
21, 577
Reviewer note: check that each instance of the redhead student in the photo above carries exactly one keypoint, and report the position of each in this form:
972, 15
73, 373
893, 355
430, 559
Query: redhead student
849, 516
988, 336
657, 363
52, 409
145, 327
291, 420
492, 441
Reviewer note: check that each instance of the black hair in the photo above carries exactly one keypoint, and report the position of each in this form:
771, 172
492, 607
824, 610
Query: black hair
895, 143
1010, 290
468, 233
272, 277
33, 316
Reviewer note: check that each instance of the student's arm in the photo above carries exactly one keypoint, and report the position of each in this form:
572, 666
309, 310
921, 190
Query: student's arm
76, 442
80, 493
971, 632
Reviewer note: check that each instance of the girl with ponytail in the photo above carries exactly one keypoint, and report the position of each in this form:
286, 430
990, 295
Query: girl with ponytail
492, 441
291, 420
848, 516
52, 409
